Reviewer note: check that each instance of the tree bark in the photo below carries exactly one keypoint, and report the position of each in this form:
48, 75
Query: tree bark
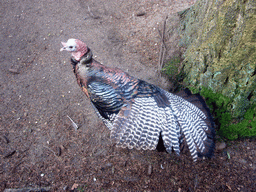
220, 41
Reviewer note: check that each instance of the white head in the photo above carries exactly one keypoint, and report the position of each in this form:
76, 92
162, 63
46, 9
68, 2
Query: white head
76, 47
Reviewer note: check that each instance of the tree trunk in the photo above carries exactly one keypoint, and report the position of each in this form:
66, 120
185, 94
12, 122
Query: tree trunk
220, 41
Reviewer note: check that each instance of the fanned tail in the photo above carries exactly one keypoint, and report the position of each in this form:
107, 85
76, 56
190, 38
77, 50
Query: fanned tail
180, 121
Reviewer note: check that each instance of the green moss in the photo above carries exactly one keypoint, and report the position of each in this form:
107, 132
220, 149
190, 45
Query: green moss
220, 40
228, 127
171, 67
173, 71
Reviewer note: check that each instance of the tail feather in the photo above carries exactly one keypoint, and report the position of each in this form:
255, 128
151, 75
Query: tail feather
190, 121
171, 132
199, 102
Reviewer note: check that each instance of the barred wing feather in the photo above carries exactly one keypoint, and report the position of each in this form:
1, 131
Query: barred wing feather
139, 124
141, 128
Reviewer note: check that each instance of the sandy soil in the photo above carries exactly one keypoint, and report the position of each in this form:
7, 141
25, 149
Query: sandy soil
40, 150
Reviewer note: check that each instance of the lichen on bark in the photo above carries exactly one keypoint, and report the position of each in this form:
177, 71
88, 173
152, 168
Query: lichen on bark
220, 37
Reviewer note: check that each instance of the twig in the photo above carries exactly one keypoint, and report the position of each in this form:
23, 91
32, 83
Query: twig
16, 165
6, 139
27, 189
50, 150
163, 46
91, 14
11, 153
162, 38
73, 123
19, 161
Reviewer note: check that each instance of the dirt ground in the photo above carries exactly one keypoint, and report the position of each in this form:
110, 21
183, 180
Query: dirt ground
41, 151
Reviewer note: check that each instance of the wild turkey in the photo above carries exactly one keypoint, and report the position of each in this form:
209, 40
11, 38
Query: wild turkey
139, 113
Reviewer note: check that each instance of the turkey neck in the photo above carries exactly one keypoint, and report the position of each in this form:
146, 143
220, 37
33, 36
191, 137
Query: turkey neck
85, 59
80, 69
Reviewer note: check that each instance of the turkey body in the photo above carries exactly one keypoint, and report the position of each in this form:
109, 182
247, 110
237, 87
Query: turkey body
137, 112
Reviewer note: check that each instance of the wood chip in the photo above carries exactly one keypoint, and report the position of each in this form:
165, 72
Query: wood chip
15, 71
141, 14
220, 146
150, 169
58, 151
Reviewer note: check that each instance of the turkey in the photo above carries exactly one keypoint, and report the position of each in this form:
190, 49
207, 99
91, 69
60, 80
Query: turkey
139, 113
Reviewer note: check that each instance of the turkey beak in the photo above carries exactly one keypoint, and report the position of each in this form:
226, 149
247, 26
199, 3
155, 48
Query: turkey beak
64, 46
